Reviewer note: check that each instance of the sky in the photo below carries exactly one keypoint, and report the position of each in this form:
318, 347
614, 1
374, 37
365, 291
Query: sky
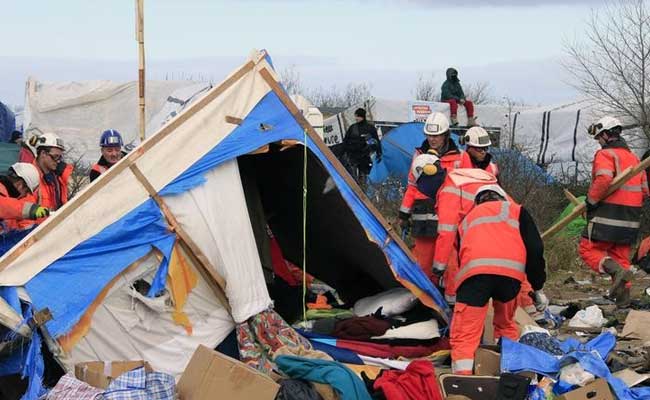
514, 45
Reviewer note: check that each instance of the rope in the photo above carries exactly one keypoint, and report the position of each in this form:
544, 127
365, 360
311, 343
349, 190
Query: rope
304, 228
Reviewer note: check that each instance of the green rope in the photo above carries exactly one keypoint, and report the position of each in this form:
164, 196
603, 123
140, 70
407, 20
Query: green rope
304, 228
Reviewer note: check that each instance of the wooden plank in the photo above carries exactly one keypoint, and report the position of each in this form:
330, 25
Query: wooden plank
268, 77
186, 241
234, 120
618, 181
123, 164
571, 197
11, 319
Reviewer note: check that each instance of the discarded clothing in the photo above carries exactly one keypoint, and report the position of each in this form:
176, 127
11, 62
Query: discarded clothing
388, 351
542, 341
425, 330
345, 382
325, 326
386, 363
140, 385
391, 302
261, 335
296, 389
371, 371
418, 382
332, 313
301, 352
360, 328
70, 388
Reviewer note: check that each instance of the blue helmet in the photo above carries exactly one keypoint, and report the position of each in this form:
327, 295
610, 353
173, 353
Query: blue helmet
111, 138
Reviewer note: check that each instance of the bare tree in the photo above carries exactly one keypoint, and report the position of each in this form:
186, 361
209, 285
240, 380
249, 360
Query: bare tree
290, 79
354, 93
427, 88
479, 92
612, 64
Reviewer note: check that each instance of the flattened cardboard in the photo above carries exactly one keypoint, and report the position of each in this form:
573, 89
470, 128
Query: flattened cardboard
630, 377
637, 325
487, 362
597, 390
210, 374
473, 387
100, 374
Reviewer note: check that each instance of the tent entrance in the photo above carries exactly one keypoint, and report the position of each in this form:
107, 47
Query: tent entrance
339, 252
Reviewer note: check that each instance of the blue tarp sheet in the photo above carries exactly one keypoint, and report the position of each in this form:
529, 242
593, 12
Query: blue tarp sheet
7, 123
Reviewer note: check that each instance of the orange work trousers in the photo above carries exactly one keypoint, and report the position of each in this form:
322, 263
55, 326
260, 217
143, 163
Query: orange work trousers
593, 253
423, 253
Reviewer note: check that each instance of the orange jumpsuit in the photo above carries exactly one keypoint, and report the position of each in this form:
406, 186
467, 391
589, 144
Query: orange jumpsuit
14, 212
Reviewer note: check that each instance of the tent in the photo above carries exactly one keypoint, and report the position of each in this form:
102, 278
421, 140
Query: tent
181, 213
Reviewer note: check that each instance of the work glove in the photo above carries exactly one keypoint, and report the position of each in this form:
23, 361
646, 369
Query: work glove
38, 211
462, 101
540, 300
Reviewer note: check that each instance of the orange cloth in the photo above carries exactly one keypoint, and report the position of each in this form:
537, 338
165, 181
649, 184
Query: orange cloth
524, 300
182, 279
320, 304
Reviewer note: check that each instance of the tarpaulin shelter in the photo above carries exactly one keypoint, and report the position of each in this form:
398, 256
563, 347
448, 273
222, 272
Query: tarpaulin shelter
175, 214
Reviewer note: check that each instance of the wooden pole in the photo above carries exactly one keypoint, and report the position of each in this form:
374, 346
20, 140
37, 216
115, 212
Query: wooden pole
571, 197
141, 74
618, 181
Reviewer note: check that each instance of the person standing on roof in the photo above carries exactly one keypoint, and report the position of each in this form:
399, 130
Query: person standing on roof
54, 172
438, 139
359, 141
452, 93
613, 221
476, 154
500, 246
111, 145
17, 199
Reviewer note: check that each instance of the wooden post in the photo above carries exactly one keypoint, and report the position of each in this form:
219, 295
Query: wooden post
141, 75
618, 181
571, 197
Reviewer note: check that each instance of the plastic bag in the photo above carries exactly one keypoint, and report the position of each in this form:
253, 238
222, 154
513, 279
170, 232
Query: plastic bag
591, 317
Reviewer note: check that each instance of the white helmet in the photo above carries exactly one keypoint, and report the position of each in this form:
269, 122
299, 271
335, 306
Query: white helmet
28, 173
604, 124
50, 140
425, 164
437, 124
477, 137
491, 188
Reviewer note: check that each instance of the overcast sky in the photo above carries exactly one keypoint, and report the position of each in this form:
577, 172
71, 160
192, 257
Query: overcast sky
513, 44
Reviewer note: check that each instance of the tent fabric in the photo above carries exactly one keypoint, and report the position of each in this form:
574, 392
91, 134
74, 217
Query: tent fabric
7, 123
8, 156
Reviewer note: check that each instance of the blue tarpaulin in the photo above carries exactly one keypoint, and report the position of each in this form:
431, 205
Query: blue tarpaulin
7, 123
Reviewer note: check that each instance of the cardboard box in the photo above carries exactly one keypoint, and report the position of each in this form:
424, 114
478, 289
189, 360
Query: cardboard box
487, 363
100, 374
597, 390
637, 325
210, 374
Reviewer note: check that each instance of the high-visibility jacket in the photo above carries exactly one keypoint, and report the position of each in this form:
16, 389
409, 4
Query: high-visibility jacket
14, 212
615, 218
490, 242
451, 160
52, 191
455, 199
490, 166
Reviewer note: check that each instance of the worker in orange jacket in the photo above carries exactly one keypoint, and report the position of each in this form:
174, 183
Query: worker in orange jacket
18, 207
500, 246
613, 221
54, 173
476, 154
111, 144
436, 130
455, 199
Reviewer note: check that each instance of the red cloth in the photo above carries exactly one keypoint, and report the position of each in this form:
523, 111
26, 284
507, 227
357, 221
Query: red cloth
418, 382
280, 267
453, 107
388, 351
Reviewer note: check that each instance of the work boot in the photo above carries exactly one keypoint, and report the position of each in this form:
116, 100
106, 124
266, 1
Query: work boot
619, 276
454, 120
623, 301
471, 121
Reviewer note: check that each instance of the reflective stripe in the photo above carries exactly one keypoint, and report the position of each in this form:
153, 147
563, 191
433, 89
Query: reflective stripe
458, 192
616, 162
616, 222
591, 201
447, 228
491, 262
405, 210
604, 172
465, 364
501, 217
632, 188
27, 207
424, 217
438, 266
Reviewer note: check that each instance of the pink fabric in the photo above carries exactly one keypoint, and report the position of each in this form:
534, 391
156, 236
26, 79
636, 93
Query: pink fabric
70, 388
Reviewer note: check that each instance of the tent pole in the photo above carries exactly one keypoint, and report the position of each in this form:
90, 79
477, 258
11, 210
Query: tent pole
186, 241
141, 71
